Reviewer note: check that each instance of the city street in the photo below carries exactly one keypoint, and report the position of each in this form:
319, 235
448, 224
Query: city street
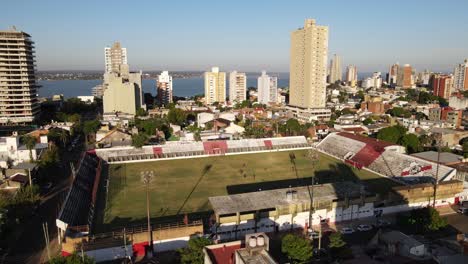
30, 247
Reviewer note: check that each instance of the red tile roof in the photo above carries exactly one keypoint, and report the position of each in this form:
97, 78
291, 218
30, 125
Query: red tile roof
223, 254
376, 143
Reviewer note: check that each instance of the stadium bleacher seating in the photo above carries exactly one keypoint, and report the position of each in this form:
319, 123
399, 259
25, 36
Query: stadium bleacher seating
190, 149
376, 155
78, 207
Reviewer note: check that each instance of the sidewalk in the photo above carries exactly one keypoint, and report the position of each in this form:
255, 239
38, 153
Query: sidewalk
443, 210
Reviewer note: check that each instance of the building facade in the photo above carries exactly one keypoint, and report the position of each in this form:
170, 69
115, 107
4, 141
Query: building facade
405, 77
237, 86
393, 74
351, 75
98, 91
115, 56
164, 88
215, 86
18, 88
374, 81
442, 85
335, 69
308, 66
460, 76
123, 91
267, 88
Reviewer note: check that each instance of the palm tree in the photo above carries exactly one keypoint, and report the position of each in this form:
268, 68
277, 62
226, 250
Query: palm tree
30, 143
64, 137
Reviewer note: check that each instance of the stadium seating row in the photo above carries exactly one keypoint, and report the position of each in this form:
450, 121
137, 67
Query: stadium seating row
78, 207
190, 149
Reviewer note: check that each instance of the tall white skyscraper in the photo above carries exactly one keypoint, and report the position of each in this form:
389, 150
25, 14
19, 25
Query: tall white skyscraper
215, 86
308, 66
114, 57
460, 77
164, 88
18, 87
335, 69
237, 86
267, 89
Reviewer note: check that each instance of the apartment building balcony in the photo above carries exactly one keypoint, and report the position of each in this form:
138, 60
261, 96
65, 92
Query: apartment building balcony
23, 59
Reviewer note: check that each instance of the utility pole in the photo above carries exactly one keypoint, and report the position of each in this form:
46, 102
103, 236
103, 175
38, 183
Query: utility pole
313, 157
82, 252
437, 175
147, 177
45, 229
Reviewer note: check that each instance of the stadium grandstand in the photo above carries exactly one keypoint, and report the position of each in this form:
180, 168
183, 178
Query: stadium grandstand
384, 158
180, 149
77, 212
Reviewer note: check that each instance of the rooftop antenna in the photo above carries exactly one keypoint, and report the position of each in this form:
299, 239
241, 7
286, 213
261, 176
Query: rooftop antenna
13, 28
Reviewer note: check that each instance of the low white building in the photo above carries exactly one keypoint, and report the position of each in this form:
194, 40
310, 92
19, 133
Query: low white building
86, 99
203, 118
13, 152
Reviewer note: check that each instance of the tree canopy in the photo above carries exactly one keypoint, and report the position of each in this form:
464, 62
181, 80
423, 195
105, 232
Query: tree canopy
193, 253
75, 258
91, 126
399, 112
176, 116
298, 249
139, 140
411, 143
336, 240
422, 220
392, 134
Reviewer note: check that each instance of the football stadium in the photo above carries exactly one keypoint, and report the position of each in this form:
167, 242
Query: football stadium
185, 175
192, 184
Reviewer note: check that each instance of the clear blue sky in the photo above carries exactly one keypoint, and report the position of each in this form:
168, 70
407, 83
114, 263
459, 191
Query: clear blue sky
243, 35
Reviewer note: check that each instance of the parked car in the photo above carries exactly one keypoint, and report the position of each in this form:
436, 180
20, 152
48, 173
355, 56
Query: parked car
462, 210
347, 230
46, 187
313, 234
364, 227
383, 223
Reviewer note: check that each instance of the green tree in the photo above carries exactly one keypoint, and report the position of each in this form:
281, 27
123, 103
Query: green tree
91, 127
298, 249
75, 258
193, 253
411, 143
293, 126
422, 220
141, 112
368, 121
399, 112
139, 140
465, 149
50, 157
425, 140
336, 240
63, 135
390, 134
30, 142
176, 116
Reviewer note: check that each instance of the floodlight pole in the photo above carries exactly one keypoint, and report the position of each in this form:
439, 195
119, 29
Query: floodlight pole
147, 176
436, 176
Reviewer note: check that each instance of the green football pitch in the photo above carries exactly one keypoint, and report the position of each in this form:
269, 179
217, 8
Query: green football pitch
184, 185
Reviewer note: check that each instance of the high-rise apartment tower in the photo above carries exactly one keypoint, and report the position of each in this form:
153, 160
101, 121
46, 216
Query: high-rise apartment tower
114, 57
308, 66
237, 86
18, 88
215, 86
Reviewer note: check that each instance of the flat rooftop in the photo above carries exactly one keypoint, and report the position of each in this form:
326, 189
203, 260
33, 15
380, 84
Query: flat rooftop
445, 157
253, 201
255, 257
